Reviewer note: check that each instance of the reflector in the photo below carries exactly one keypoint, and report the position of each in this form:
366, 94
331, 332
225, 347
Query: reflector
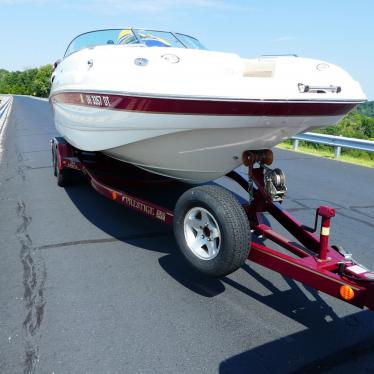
346, 292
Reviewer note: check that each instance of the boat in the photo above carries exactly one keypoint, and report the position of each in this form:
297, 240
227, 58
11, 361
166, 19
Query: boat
163, 102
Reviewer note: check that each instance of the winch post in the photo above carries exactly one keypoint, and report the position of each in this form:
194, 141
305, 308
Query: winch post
326, 214
249, 158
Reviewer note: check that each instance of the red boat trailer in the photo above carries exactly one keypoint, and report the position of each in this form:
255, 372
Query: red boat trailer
312, 261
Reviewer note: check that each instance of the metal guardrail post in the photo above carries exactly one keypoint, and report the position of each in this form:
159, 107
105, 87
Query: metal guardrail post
337, 151
337, 142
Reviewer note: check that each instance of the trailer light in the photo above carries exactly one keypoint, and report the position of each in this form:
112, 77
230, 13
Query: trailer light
114, 195
346, 292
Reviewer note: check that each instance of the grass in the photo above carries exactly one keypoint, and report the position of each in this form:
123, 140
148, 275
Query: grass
328, 154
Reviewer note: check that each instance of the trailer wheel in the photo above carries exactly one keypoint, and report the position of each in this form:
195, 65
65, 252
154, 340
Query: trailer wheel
63, 177
212, 230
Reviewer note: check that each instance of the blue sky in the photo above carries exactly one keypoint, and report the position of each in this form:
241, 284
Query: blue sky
36, 32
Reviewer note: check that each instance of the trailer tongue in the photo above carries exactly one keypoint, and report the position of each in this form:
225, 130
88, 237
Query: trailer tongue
317, 264
212, 228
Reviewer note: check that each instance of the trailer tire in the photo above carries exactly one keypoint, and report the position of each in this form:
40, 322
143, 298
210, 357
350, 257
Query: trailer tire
63, 177
212, 230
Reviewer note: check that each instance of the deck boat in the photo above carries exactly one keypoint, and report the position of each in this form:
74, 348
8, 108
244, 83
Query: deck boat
161, 101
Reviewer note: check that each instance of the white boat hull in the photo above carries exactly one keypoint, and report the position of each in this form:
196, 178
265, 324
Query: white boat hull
193, 148
191, 120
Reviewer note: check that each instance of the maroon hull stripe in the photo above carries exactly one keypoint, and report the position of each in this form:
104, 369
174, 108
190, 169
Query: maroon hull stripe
203, 107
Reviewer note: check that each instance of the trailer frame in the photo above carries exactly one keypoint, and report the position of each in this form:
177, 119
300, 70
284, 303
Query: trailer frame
311, 260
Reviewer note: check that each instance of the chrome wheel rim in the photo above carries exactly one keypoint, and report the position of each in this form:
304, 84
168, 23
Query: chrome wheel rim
202, 233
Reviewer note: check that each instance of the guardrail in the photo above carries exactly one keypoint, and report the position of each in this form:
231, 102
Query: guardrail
5, 104
338, 142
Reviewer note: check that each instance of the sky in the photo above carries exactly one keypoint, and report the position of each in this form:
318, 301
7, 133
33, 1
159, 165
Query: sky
37, 32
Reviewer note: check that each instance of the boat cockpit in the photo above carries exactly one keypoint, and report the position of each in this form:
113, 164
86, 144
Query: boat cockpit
132, 37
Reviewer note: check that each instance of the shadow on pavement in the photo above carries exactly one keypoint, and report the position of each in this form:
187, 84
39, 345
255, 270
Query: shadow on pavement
331, 347
115, 220
176, 267
309, 310
128, 226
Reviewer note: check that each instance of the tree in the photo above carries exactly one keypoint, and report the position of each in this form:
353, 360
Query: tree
34, 82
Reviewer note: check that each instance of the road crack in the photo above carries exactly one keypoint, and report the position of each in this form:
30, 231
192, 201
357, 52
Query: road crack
34, 277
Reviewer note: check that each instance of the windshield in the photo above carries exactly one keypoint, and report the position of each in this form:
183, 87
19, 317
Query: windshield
147, 38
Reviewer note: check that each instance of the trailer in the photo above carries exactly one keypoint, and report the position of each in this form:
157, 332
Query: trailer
216, 231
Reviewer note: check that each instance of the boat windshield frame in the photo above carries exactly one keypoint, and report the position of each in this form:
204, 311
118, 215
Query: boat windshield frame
182, 40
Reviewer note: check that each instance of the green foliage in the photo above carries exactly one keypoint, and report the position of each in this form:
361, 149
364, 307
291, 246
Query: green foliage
354, 125
35, 82
366, 109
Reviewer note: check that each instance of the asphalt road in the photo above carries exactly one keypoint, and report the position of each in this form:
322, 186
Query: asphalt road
88, 286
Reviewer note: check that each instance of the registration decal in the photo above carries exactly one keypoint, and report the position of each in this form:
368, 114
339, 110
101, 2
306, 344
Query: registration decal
98, 100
